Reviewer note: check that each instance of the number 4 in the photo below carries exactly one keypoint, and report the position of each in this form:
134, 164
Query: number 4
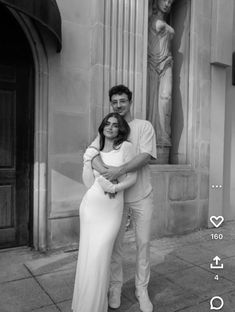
216, 277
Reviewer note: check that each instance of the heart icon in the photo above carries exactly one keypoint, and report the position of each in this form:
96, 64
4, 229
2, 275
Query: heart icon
217, 221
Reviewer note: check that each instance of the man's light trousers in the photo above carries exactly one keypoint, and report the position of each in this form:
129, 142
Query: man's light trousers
141, 216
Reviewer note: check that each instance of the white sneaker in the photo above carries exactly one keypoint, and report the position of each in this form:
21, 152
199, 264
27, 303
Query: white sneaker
114, 297
144, 301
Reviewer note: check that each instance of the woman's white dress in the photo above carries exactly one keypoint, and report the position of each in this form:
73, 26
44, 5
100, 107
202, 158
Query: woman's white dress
100, 219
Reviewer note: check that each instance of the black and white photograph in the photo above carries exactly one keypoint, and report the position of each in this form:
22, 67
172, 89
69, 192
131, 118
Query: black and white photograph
117, 155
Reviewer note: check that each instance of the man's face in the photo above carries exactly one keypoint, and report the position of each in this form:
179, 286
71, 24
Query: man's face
164, 5
121, 104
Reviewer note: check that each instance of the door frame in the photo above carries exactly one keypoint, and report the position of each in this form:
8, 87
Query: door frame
40, 170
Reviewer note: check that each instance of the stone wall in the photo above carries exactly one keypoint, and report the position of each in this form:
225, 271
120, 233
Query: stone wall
180, 200
69, 120
181, 192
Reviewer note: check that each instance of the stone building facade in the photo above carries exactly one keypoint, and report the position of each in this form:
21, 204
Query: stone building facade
104, 42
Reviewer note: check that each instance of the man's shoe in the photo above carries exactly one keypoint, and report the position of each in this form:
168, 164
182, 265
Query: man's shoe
144, 301
114, 298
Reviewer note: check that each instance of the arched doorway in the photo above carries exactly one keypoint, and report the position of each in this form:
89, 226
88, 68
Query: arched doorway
16, 133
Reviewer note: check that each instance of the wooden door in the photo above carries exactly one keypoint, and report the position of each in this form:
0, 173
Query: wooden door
16, 133
16, 124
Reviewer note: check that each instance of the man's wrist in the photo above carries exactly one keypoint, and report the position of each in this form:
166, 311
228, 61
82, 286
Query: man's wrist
95, 156
123, 170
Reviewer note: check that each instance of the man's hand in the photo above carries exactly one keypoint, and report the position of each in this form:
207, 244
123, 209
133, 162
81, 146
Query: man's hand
112, 173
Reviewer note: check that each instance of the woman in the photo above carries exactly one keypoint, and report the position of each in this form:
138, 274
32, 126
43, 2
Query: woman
160, 65
100, 217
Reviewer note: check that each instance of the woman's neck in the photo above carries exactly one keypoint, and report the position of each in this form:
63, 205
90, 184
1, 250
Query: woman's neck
108, 145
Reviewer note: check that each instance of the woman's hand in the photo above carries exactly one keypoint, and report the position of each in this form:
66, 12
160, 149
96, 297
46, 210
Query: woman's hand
106, 185
112, 195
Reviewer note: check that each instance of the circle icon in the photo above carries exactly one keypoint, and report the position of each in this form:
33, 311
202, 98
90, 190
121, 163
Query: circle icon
216, 303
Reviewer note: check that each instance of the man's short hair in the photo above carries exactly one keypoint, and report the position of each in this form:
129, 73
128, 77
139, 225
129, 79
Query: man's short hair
120, 89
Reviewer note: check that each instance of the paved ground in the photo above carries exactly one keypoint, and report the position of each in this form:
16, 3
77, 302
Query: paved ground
181, 277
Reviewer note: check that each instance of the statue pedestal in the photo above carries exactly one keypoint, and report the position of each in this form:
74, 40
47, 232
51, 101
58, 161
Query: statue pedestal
163, 155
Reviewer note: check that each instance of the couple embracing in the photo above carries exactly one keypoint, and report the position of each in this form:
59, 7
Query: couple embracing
117, 176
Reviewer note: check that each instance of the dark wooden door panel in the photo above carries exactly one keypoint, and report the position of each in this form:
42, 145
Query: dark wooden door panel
6, 203
7, 214
8, 226
7, 129
15, 151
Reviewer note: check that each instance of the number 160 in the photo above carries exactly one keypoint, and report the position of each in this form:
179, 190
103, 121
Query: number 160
217, 236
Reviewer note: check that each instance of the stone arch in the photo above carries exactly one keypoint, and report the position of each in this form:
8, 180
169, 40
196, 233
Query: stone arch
40, 130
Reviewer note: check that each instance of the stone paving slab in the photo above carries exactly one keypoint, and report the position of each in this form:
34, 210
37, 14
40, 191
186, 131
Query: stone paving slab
59, 285
229, 302
195, 254
214, 245
12, 264
226, 249
170, 264
228, 271
229, 305
165, 295
22, 296
65, 306
50, 308
201, 282
200, 307
53, 263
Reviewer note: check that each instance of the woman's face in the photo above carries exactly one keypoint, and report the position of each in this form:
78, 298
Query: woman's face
164, 5
111, 128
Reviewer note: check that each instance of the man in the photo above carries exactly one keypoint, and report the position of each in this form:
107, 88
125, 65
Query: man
138, 198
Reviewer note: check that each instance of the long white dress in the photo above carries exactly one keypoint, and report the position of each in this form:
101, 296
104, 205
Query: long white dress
100, 219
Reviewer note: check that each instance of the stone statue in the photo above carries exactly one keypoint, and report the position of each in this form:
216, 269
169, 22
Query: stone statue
160, 62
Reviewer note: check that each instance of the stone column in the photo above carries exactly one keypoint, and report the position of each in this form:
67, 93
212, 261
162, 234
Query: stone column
119, 47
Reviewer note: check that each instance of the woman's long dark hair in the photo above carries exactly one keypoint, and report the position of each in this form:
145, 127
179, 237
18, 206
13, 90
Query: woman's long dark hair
123, 130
